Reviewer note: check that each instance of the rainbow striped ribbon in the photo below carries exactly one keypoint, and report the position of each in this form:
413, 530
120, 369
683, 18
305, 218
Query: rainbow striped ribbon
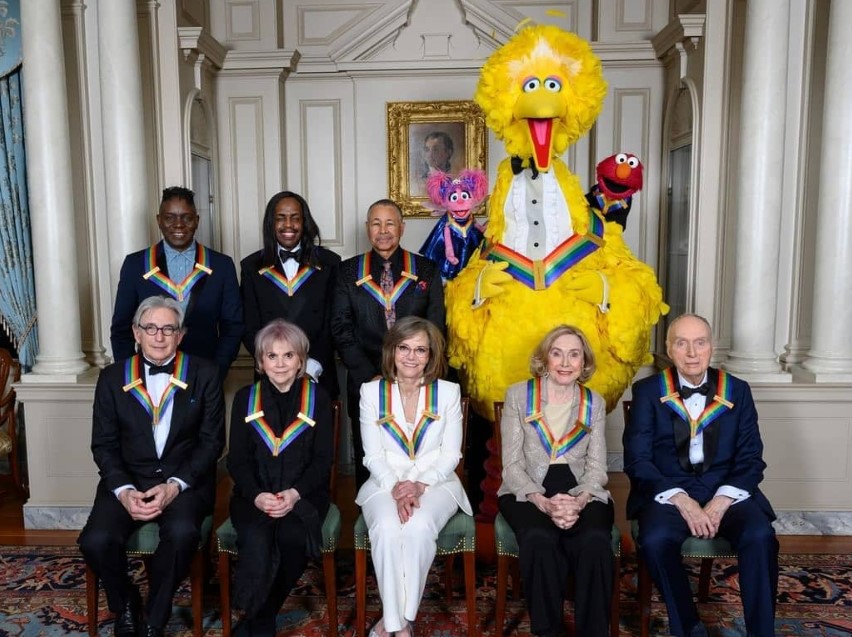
540, 274
463, 226
607, 205
177, 290
303, 420
714, 408
135, 384
365, 281
535, 417
288, 286
388, 421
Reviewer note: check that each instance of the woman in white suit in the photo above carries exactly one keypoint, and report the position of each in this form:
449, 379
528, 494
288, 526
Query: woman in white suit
411, 425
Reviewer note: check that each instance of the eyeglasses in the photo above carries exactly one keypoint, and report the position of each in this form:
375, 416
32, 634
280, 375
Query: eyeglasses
419, 351
151, 330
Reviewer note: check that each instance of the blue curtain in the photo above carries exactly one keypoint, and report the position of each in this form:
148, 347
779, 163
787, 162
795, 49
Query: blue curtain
17, 286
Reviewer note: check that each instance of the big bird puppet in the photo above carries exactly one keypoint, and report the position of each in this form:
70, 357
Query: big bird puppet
548, 258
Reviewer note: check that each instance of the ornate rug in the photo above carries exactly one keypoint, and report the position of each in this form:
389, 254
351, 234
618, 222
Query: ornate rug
42, 593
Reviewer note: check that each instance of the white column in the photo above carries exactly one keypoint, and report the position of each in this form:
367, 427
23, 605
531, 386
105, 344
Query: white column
51, 197
128, 208
759, 188
830, 356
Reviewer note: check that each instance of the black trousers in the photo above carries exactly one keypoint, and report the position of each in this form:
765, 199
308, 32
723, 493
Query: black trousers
353, 399
548, 554
103, 544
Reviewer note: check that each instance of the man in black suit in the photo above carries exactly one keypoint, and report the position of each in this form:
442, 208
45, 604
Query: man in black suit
203, 281
292, 278
158, 428
693, 453
373, 291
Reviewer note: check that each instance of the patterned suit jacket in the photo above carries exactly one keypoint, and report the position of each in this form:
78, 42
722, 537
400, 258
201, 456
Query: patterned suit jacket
358, 320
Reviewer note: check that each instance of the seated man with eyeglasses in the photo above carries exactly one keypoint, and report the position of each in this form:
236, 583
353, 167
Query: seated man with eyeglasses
158, 427
201, 280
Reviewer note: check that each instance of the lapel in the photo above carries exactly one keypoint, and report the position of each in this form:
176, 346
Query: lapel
198, 288
289, 306
180, 406
681, 430
161, 258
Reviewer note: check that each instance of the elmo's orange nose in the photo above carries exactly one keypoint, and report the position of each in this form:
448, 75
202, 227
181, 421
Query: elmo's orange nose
622, 171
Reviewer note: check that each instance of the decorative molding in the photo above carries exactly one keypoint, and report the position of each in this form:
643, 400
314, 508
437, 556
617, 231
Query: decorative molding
242, 63
201, 50
254, 32
680, 38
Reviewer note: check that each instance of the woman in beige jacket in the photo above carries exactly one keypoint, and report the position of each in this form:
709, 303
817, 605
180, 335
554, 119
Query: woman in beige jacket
553, 495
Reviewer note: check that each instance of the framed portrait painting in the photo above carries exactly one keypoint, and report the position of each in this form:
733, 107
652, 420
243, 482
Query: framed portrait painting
428, 136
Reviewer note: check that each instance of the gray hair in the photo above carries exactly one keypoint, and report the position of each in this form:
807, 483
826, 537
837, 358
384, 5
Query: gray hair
676, 319
159, 303
281, 330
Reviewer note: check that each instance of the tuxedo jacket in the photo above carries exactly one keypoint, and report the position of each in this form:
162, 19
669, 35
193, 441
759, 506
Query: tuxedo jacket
214, 315
309, 307
656, 446
437, 456
123, 439
526, 461
358, 320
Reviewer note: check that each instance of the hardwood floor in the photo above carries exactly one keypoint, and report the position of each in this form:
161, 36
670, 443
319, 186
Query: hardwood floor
12, 530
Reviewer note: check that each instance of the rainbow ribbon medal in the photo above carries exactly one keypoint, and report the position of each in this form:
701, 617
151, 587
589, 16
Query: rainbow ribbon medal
714, 408
288, 286
300, 424
365, 282
177, 290
535, 417
541, 274
134, 383
388, 421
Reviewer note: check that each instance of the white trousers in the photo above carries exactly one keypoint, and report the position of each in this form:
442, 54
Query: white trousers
403, 553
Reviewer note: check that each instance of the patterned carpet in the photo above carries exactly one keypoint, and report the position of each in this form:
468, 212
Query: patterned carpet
42, 593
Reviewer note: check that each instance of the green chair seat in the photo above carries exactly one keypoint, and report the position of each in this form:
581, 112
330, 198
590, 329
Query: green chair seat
226, 534
507, 543
695, 546
144, 540
457, 536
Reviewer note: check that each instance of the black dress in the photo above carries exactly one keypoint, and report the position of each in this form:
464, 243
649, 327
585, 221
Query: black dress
263, 579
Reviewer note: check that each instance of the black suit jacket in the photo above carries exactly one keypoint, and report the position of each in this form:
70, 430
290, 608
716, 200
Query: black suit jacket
123, 440
656, 447
214, 315
358, 320
309, 308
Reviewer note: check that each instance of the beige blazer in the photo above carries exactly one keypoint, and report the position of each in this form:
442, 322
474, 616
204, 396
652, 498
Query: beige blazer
525, 461
435, 463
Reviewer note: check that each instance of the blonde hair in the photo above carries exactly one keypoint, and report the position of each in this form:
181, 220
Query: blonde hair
538, 361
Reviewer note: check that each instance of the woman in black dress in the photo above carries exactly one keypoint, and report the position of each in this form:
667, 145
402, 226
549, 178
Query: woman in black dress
280, 456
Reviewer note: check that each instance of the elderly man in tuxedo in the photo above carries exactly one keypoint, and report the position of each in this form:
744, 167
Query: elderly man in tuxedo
693, 453
372, 292
203, 281
158, 428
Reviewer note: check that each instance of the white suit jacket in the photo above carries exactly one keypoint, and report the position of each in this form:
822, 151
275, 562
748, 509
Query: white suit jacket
439, 453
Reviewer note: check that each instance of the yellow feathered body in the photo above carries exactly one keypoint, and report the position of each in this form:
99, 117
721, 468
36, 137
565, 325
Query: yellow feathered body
491, 345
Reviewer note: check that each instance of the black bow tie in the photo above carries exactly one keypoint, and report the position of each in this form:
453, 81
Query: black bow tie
686, 392
168, 368
284, 255
518, 166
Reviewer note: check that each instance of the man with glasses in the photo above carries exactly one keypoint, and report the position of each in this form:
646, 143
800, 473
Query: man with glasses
158, 427
374, 290
201, 280
693, 453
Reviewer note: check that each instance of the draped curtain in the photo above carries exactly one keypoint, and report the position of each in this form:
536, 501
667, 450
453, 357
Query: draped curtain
17, 286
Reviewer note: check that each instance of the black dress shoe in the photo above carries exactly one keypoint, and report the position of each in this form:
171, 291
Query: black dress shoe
127, 622
150, 631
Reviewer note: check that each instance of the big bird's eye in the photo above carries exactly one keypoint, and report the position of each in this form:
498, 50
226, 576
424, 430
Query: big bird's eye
464, 196
531, 84
454, 197
553, 85
633, 162
620, 158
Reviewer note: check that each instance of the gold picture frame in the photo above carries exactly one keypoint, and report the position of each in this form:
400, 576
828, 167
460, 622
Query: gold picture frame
414, 127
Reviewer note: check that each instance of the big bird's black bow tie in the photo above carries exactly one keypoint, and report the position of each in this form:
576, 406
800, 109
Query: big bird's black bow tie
518, 166
686, 392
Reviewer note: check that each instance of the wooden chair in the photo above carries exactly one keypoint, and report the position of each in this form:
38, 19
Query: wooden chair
142, 543
693, 547
508, 551
226, 543
10, 372
457, 536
